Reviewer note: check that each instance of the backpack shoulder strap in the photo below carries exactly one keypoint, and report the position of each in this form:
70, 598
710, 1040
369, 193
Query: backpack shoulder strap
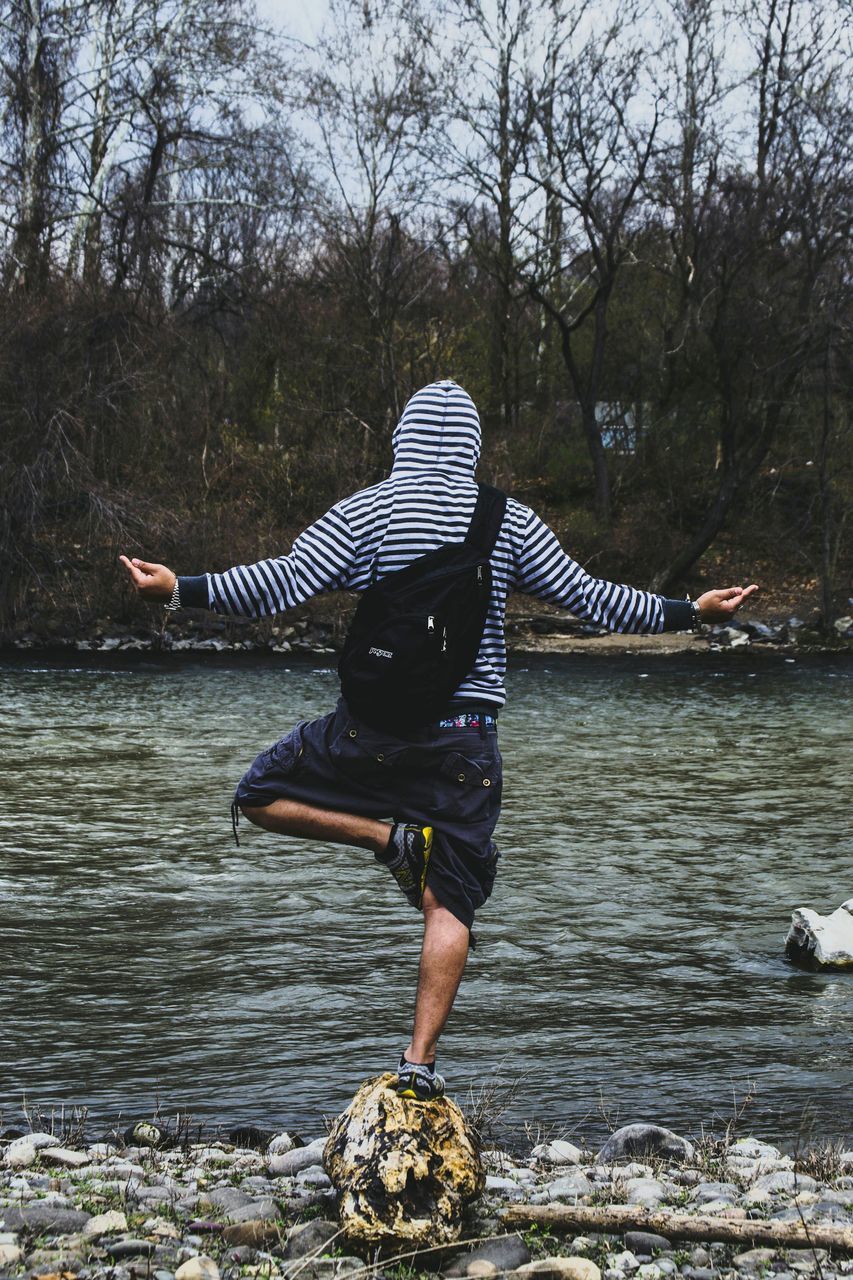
487, 519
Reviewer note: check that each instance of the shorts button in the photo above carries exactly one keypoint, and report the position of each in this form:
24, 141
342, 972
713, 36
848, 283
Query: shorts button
487, 782
353, 733
380, 757
460, 777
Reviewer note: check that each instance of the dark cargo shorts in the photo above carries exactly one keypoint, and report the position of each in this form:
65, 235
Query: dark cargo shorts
449, 779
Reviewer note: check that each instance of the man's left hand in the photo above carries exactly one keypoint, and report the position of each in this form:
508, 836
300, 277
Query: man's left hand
719, 606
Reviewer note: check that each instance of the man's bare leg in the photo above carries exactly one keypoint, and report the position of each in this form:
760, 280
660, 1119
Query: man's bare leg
291, 818
443, 956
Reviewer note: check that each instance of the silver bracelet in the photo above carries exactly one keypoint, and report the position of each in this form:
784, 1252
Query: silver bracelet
697, 618
175, 598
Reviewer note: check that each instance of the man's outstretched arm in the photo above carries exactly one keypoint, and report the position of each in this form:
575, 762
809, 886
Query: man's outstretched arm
545, 570
321, 559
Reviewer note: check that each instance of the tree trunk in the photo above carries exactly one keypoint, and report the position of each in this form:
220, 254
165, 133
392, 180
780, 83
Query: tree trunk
676, 1226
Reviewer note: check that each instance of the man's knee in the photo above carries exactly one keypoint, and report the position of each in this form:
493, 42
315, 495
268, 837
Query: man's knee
255, 813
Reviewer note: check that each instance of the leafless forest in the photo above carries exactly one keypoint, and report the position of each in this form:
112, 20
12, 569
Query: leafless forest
229, 257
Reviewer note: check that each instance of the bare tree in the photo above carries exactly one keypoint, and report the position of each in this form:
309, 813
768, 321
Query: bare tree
588, 150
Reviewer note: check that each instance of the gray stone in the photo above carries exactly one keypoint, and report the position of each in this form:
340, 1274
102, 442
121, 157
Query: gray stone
263, 1208
571, 1186
645, 1242
37, 1140
505, 1188
153, 1195
309, 1237
785, 1180
289, 1163
645, 1191
558, 1152
129, 1248
752, 1259
228, 1199
700, 1257
507, 1253
708, 1191
280, 1144
754, 1149
625, 1263
644, 1140
65, 1157
41, 1216
314, 1176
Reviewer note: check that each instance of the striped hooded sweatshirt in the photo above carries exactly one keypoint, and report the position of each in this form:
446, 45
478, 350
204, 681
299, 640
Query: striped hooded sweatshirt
428, 499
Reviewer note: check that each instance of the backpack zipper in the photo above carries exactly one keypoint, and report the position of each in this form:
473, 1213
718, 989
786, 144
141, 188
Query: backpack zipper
430, 623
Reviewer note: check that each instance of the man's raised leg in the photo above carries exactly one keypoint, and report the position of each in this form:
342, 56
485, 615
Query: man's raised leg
292, 818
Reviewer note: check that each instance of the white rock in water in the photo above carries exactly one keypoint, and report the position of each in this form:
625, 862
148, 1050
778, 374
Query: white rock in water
821, 940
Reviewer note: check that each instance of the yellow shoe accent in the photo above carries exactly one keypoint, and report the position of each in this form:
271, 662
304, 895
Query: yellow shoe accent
427, 851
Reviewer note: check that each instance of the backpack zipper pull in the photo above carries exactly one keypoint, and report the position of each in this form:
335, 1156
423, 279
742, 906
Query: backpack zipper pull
444, 640
430, 623
479, 575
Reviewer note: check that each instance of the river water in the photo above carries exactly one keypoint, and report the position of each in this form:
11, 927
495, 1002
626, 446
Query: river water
662, 818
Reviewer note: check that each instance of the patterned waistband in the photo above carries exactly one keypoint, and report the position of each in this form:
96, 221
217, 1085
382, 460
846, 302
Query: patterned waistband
469, 720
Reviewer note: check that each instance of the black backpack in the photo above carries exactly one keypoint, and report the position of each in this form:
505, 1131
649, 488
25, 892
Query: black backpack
416, 633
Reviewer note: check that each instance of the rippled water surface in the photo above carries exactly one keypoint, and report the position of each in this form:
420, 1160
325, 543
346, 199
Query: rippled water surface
662, 818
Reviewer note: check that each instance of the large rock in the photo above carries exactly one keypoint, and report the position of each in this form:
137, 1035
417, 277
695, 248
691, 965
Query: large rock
644, 1140
38, 1217
405, 1169
821, 942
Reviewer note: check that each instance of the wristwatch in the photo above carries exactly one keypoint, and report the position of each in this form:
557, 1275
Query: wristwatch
175, 598
697, 618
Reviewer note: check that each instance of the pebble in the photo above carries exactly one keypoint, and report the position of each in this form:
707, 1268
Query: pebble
559, 1268
645, 1242
506, 1188
201, 1267
129, 1248
571, 1187
503, 1254
103, 1223
646, 1192
724, 1192
558, 1152
281, 1143
20, 1155
64, 1157
289, 1163
10, 1255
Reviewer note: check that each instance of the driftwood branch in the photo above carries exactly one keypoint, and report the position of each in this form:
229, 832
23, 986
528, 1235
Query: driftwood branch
676, 1226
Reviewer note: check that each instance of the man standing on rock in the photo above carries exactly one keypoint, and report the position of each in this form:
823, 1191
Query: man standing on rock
340, 778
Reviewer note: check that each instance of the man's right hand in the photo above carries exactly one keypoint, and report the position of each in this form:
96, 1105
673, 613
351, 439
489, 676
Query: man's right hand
152, 581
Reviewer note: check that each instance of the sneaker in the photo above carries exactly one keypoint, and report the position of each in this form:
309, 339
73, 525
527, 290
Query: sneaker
419, 1081
407, 858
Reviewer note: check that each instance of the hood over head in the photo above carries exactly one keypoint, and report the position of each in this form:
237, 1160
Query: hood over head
439, 430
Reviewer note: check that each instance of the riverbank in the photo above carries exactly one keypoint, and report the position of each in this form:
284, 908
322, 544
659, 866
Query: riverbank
319, 628
170, 1203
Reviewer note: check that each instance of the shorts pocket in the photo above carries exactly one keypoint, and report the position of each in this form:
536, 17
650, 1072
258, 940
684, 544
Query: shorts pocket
284, 756
468, 773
